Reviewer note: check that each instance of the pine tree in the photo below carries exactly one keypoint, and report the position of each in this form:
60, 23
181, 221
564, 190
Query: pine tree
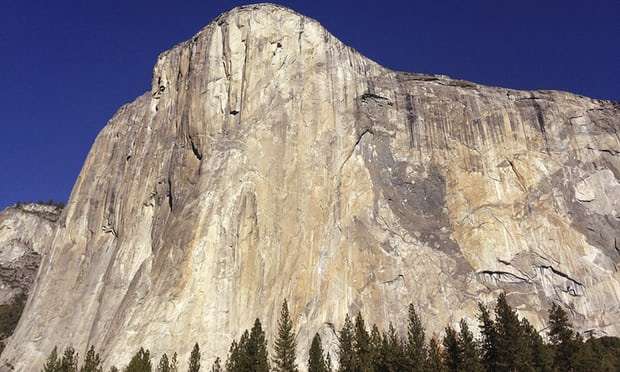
387, 360
488, 333
376, 349
194, 359
217, 367
52, 363
361, 345
328, 360
257, 348
141, 362
598, 354
232, 361
469, 354
608, 351
285, 344
434, 360
239, 359
512, 352
164, 364
540, 358
416, 344
174, 363
452, 355
92, 362
562, 338
69, 361
586, 359
345, 352
393, 350
316, 358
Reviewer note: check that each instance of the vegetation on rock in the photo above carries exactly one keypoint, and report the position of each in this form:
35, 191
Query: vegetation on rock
9, 316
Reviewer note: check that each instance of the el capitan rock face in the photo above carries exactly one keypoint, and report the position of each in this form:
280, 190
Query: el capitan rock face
271, 161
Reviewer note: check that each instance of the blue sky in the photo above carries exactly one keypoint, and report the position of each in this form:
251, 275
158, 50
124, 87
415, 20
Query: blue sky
66, 66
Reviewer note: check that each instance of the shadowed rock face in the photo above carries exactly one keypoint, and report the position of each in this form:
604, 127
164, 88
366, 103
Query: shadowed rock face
271, 161
26, 231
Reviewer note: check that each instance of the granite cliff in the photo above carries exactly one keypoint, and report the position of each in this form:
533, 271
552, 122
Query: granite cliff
270, 161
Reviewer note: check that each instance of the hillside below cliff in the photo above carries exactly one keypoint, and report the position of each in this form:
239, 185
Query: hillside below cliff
270, 161
26, 231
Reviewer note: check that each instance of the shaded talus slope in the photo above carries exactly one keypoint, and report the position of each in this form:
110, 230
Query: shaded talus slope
271, 161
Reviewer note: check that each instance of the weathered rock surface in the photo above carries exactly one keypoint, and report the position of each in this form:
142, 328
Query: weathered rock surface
26, 231
271, 161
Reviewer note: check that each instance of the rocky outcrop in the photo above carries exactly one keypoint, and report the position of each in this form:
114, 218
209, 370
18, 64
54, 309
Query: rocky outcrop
26, 231
270, 161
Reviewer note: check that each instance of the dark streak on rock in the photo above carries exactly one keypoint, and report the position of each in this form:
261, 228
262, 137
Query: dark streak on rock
541, 122
457, 83
367, 96
411, 119
607, 151
170, 203
196, 152
397, 278
359, 139
558, 272
498, 274
504, 262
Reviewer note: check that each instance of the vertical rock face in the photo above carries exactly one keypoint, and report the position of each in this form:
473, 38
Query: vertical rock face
26, 231
271, 161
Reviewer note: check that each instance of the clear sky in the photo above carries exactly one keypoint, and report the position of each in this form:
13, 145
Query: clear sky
66, 66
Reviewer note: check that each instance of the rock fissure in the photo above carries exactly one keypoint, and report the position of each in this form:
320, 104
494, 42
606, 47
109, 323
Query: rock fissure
195, 149
518, 175
611, 152
504, 276
355, 146
399, 277
559, 273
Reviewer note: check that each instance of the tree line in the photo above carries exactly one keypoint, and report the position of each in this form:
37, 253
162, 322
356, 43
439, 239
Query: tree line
50, 202
505, 343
